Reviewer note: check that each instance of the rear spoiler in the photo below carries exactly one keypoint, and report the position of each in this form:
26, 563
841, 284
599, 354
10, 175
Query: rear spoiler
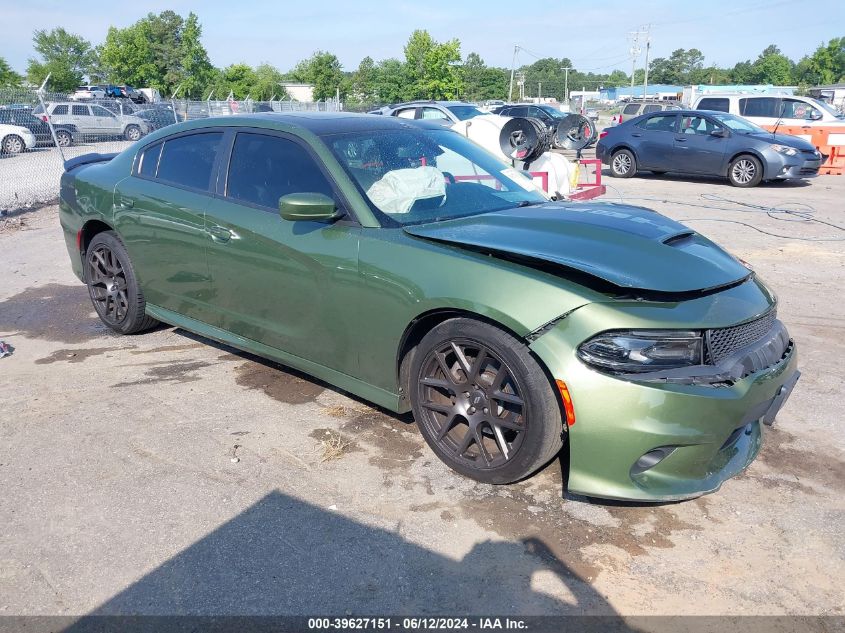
87, 159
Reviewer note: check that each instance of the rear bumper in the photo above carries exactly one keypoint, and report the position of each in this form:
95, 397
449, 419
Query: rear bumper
660, 441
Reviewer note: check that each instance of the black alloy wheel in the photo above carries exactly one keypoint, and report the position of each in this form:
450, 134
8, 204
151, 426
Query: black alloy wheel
483, 403
113, 287
473, 404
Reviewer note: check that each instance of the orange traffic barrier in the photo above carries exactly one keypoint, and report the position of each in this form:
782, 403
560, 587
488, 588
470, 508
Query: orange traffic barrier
830, 141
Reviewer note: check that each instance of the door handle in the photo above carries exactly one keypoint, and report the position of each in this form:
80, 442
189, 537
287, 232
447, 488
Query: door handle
636, 135
124, 203
681, 139
219, 233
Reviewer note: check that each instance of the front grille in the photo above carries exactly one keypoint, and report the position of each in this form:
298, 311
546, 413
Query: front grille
722, 342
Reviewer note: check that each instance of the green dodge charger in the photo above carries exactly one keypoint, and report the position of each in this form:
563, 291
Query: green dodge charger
406, 265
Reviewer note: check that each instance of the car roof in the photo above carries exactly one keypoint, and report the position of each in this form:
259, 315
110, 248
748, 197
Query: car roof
319, 123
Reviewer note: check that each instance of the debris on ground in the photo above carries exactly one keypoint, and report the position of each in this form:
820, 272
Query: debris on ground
5, 349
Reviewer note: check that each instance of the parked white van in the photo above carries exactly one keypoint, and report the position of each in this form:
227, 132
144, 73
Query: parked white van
767, 110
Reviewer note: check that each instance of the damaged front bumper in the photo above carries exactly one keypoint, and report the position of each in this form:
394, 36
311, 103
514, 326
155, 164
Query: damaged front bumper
675, 434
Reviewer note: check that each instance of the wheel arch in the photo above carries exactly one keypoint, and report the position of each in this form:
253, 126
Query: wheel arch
425, 322
743, 152
90, 229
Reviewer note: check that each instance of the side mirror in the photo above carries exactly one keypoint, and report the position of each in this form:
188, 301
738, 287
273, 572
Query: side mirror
315, 207
815, 115
720, 132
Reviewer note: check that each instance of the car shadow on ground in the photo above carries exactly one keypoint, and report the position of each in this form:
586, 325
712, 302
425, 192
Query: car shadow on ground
283, 556
709, 180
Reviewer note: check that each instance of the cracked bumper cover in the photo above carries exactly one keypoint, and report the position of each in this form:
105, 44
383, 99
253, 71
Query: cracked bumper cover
710, 419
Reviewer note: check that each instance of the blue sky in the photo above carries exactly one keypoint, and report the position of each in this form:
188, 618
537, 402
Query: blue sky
592, 34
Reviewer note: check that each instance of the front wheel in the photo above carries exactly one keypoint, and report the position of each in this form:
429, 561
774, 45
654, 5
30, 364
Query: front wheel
13, 144
745, 171
113, 286
132, 133
482, 403
64, 138
623, 164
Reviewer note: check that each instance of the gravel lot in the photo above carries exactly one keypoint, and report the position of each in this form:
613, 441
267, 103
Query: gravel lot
166, 474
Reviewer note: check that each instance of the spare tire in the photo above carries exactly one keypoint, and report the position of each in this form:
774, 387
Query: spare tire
575, 132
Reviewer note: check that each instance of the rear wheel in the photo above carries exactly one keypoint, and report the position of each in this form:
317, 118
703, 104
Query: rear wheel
483, 404
13, 144
623, 164
745, 171
113, 286
132, 133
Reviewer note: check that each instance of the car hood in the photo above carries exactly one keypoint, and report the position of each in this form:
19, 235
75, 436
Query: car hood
627, 246
784, 139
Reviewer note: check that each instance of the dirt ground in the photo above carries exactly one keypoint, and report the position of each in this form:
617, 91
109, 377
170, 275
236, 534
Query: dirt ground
166, 474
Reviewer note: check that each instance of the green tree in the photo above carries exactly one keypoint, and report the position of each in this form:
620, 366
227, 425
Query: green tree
363, 88
196, 69
159, 51
8, 77
772, 67
64, 56
431, 68
324, 71
681, 67
390, 84
239, 80
267, 83
825, 66
742, 73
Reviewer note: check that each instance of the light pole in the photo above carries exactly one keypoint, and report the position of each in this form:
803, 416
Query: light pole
513, 66
566, 70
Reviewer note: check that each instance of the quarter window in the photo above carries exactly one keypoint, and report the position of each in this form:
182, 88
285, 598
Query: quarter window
60, 109
264, 168
433, 114
149, 161
665, 123
188, 160
713, 103
759, 106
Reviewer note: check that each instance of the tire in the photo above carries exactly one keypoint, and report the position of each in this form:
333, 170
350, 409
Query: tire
522, 405
113, 285
132, 133
64, 138
745, 171
13, 144
623, 164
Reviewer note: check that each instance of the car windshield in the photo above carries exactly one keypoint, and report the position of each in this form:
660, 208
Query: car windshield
412, 176
827, 108
464, 112
552, 112
738, 124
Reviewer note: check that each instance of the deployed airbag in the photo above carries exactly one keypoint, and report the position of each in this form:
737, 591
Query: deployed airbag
399, 189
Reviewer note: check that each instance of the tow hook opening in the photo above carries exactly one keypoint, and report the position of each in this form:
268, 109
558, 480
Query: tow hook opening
651, 459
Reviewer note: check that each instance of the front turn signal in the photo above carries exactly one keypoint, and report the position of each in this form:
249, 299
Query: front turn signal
566, 398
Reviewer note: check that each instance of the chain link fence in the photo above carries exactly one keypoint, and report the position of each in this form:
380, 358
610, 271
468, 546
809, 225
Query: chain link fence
39, 131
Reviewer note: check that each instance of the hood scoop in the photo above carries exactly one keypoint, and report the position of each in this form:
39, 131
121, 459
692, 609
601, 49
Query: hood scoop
626, 246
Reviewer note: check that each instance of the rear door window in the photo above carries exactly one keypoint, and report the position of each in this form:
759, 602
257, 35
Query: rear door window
433, 114
80, 110
654, 107
718, 104
664, 123
188, 161
759, 106
264, 168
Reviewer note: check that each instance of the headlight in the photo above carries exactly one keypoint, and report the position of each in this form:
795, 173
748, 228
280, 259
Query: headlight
643, 351
783, 149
